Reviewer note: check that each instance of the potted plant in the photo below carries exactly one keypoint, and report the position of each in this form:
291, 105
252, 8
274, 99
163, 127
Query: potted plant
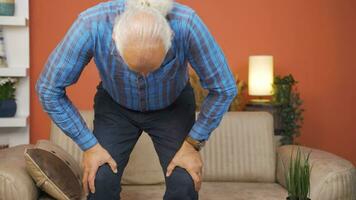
287, 99
7, 7
7, 97
297, 176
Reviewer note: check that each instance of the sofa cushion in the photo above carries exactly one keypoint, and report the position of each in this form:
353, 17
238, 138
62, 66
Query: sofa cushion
139, 170
15, 182
54, 170
241, 149
212, 191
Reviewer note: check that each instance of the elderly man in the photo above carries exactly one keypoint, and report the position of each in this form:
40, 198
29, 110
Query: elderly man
141, 49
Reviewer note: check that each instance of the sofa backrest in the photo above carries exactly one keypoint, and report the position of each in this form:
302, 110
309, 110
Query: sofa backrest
240, 149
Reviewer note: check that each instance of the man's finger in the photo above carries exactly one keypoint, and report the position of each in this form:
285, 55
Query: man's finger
85, 182
91, 179
113, 165
170, 168
197, 180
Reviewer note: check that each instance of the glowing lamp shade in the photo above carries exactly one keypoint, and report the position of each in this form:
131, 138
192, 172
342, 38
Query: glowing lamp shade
260, 75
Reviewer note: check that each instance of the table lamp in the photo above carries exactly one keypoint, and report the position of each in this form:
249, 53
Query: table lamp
260, 77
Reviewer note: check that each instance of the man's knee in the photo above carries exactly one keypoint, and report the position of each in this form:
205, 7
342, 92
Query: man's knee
180, 185
105, 174
107, 184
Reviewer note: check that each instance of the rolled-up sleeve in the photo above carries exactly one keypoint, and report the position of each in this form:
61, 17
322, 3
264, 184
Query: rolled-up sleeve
62, 69
208, 61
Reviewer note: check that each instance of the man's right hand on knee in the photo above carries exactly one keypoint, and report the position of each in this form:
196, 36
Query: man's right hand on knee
93, 158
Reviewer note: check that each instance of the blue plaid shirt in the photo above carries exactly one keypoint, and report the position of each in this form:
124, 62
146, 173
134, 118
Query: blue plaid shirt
90, 37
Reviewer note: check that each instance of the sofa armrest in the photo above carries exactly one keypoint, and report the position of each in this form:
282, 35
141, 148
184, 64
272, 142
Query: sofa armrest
15, 182
332, 177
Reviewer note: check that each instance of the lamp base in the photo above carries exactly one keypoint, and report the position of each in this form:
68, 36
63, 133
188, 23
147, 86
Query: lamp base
260, 101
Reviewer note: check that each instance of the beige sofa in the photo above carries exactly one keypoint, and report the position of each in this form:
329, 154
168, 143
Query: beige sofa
242, 161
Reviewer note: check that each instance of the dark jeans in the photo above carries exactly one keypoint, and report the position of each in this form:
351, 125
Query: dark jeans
118, 129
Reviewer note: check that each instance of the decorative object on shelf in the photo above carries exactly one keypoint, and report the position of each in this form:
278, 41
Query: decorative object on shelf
3, 60
297, 176
239, 102
260, 77
290, 112
7, 7
200, 93
8, 105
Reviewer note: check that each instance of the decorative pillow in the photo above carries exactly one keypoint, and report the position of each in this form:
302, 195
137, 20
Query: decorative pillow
54, 171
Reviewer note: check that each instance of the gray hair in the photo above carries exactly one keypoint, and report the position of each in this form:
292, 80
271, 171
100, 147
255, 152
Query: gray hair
152, 26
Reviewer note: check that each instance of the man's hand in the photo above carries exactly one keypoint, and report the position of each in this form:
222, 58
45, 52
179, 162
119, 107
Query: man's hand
188, 158
93, 158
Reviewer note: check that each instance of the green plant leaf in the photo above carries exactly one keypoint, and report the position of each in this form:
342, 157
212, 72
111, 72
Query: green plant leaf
298, 176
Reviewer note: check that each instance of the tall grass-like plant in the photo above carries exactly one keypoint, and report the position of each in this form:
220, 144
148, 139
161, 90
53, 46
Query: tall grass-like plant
297, 176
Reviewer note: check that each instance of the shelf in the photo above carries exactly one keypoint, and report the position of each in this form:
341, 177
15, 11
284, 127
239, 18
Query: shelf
13, 72
13, 21
18, 121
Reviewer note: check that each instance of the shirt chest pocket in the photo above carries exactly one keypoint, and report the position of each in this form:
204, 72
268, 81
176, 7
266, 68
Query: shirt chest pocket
169, 68
122, 76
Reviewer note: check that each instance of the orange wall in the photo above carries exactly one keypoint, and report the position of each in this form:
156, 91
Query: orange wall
312, 39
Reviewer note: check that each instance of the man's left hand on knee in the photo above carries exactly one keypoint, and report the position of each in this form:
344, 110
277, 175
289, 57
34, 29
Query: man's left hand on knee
188, 158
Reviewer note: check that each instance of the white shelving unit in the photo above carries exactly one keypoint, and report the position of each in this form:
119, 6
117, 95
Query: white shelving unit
14, 71
13, 21
15, 130
13, 122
